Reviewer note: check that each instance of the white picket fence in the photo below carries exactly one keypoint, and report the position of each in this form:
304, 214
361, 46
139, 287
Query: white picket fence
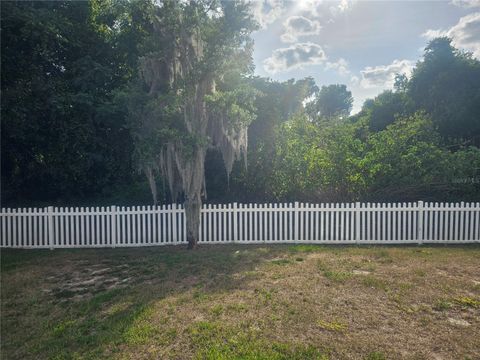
242, 223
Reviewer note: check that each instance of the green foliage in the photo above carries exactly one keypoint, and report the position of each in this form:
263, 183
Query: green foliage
385, 108
407, 162
77, 120
237, 105
330, 102
445, 84
344, 162
275, 103
191, 93
62, 137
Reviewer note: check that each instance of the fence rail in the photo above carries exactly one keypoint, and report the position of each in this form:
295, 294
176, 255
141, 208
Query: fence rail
242, 223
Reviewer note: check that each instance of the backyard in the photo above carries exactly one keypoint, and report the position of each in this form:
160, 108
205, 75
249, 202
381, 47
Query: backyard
242, 302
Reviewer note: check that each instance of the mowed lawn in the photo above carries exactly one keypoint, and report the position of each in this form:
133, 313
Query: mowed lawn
242, 302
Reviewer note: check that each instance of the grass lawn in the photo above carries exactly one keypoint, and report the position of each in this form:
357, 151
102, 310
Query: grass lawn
242, 302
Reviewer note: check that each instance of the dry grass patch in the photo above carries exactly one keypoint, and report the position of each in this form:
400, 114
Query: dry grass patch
242, 302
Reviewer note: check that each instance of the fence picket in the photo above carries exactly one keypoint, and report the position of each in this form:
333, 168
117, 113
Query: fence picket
361, 222
7, 238
224, 222
241, 236
477, 222
36, 222
461, 214
471, 220
108, 223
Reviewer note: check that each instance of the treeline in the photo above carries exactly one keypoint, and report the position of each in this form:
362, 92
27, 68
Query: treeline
66, 138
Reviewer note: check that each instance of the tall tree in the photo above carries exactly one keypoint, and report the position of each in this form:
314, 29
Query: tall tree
330, 102
387, 107
446, 85
191, 96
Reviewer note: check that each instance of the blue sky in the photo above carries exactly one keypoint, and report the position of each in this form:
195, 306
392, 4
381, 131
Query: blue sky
358, 43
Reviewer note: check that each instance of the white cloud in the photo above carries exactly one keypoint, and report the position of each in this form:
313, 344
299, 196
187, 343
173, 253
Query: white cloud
465, 34
341, 7
341, 66
319, 8
297, 26
295, 56
466, 3
266, 12
432, 34
383, 76
345, 5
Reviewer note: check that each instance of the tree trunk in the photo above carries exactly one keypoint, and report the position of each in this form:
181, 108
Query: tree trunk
193, 183
192, 214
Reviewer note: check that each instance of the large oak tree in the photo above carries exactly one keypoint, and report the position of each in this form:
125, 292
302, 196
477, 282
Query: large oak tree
191, 95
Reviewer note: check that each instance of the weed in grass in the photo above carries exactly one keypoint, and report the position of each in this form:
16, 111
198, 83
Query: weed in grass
467, 301
422, 252
214, 342
200, 296
251, 274
332, 326
236, 307
376, 355
141, 330
275, 317
140, 333
281, 261
217, 310
60, 328
117, 308
333, 275
171, 334
383, 256
405, 287
263, 250
425, 321
374, 282
306, 248
203, 331
420, 272
441, 305
298, 259
98, 301
338, 276
265, 295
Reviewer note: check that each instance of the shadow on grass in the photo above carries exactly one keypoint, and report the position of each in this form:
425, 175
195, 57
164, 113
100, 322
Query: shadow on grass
111, 303
43, 318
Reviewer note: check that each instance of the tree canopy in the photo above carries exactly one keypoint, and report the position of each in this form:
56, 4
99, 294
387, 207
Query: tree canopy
191, 95
330, 102
98, 94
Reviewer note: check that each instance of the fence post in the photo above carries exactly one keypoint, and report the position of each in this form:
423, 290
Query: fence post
420, 223
297, 219
234, 222
50, 226
174, 223
357, 222
113, 212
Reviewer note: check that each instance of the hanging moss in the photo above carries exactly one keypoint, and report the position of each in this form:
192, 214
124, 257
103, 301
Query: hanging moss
187, 114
